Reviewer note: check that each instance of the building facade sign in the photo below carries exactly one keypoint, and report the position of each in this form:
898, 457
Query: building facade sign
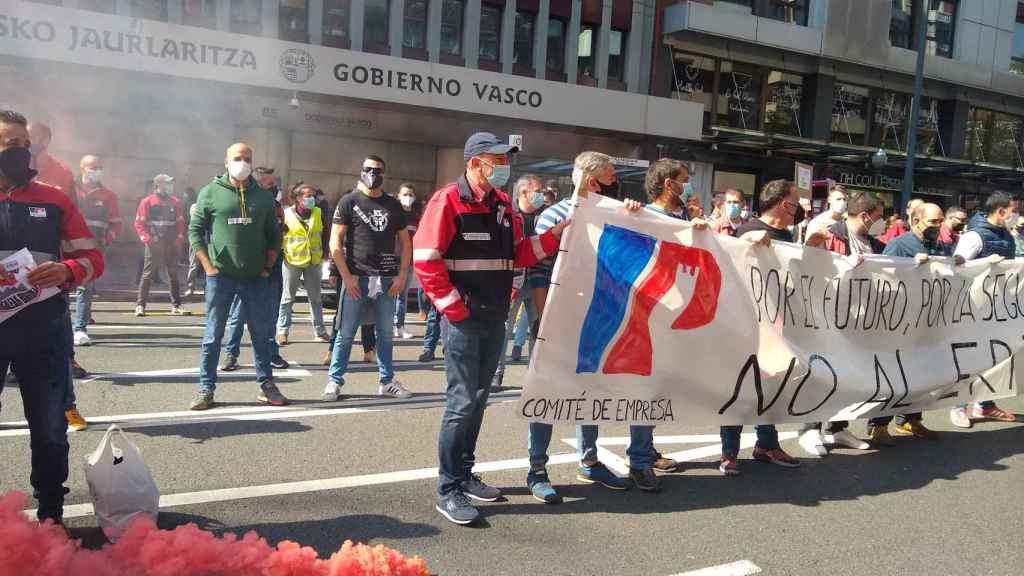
33, 30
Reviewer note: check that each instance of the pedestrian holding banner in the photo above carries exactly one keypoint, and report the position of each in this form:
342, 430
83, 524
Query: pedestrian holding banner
466, 249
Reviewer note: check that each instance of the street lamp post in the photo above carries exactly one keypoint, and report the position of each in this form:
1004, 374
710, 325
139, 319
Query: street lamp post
921, 21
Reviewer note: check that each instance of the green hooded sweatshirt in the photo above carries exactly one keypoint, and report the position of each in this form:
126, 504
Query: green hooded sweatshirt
235, 227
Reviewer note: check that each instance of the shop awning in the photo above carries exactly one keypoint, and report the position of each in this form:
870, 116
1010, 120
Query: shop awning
818, 151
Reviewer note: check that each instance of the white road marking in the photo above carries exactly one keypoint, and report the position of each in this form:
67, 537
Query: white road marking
739, 568
306, 486
295, 371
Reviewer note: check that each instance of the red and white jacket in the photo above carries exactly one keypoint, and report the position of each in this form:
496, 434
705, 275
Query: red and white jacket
160, 218
465, 251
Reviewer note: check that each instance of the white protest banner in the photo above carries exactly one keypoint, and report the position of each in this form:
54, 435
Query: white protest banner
649, 320
16, 293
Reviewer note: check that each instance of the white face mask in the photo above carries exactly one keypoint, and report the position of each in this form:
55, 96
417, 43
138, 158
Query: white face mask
1012, 221
877, 227
407, 201
838, 206
239, 169
94, 177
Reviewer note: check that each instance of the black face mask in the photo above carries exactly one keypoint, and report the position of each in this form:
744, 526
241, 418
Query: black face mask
931, 234
799, 215
14, 165
959, 227
373, 179
609, 190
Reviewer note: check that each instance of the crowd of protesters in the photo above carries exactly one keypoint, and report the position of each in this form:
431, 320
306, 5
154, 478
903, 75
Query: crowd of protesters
483, 259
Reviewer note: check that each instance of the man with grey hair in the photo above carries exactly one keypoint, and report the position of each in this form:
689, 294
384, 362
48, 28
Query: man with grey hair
593, 173
528, 199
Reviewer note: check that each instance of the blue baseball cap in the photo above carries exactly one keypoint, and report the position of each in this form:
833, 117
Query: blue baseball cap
485, 143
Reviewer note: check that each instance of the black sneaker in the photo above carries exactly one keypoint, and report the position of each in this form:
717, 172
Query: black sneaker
517, 353
427, 356
76, 370
279, 363
269, 394
230, 363
477, 490
645, 480
457, 508
497, 381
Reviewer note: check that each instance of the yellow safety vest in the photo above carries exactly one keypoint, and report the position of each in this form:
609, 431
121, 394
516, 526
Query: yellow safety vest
302, 244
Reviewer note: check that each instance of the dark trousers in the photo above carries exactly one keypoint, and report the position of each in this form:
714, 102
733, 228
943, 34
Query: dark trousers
43, 368
471, 351
160, 255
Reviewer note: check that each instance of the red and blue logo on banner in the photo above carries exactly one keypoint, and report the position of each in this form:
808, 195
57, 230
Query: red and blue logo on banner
634, 271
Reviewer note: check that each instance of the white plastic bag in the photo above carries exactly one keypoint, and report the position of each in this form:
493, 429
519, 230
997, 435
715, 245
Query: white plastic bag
120, 483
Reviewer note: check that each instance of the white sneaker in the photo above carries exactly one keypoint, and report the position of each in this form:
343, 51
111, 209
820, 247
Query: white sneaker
82, 339
394, 390
958, 416
177, 311
846, 439
812, 443
331, 392
140, 310
406, 335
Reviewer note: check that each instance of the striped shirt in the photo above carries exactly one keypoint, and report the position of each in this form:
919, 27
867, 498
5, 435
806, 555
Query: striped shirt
549, 218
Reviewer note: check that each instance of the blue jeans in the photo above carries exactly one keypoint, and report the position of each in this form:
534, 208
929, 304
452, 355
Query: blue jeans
640, 450
351, 311
252, 308
237, 319
767, 438
43, 367
471, 351
522, 300
433, 333
83, 306
401, 302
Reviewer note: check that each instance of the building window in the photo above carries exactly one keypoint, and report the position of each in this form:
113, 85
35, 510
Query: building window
336, 19
452, 15
149, 9
901, 23
850, 113
694, 79
293, 21
889, 128
556, 45
375, 24
929, 141
490, 34
201, 13
247, 17
792, 11
739, 96
940, 28
105, 6
587, 48
782, 108
994, 138
522, 56
617, 55
1017, 63
414, 32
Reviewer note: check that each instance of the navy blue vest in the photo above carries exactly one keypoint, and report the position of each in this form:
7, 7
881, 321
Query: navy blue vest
995, 240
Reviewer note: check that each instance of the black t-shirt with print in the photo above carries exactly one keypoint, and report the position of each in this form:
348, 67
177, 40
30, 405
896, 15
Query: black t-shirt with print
373, 226
756, 225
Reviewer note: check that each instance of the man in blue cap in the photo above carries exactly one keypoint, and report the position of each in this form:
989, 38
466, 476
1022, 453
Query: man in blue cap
469, 242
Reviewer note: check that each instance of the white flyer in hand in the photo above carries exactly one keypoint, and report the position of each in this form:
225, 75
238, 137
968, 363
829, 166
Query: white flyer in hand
16, 293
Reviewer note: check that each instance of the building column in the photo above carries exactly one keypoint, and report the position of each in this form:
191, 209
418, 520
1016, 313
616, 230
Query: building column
356, 16
953, 126
646, 53
396, 26
174, 11
603, 39
540, 39
508, 36
816, 108
268, 19
434, 13
224, 15
316, 22
471, 34
635, 46
572, 43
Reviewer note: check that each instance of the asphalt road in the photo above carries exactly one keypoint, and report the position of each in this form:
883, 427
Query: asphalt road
362, 469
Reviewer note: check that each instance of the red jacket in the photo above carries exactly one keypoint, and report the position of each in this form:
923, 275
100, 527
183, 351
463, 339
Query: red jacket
56, 174
35, 212
160, 218
454, 271
101, 212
